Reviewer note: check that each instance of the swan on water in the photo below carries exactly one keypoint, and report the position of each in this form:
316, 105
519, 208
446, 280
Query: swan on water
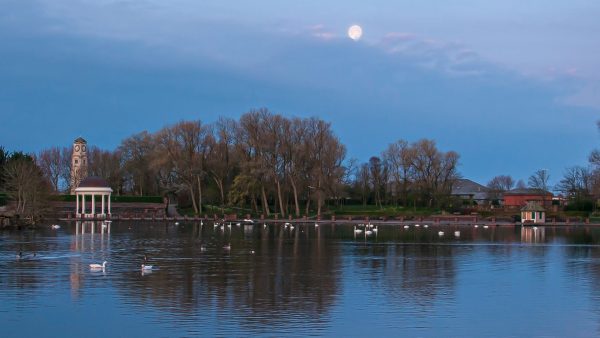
441, 233
357, 231
485, 226
55, 226
375, 230
95, 266
417, 225
316, 225
406, 227
457, 234
369, 232
227, 247
147, 267
425, 226
476, 226
176, 223
248, 220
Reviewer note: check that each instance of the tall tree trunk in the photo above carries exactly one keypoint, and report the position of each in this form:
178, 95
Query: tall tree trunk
199, 195
191, 186
264, 201
295, 191
307, 203
279, 197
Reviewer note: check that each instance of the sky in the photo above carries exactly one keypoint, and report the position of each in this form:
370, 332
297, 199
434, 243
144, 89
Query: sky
513, 86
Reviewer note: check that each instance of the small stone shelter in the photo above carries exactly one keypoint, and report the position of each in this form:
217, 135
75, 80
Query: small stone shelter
533, 212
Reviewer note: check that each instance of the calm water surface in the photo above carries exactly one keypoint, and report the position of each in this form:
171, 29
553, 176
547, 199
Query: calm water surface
307, 281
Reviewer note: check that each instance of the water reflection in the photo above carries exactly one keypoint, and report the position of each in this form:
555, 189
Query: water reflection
304, 280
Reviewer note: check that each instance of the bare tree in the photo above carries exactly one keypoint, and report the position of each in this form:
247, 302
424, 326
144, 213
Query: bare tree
576, 183
50, 162
26, 185
521, 184
539, 180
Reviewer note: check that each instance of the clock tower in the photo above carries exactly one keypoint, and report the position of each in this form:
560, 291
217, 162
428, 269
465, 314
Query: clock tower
79, 163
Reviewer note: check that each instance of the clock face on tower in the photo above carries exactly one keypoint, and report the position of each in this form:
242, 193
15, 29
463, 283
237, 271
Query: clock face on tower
77, 147
83, 148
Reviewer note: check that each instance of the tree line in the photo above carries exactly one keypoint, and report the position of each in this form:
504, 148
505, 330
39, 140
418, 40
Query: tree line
262, 161
267, 163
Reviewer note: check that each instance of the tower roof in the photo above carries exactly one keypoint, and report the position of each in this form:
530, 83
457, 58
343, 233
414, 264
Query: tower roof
80, 140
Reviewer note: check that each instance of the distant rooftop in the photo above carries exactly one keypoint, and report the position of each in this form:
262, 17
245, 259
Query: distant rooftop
532, 206
94, 182
466, 187
527, 191
80, 140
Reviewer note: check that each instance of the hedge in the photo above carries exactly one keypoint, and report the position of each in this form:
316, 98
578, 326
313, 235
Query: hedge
3, 199
114, 198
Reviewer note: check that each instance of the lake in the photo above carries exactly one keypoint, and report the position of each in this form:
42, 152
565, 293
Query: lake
305, 281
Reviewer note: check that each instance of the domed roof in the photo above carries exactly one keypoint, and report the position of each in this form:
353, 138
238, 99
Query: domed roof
94, 182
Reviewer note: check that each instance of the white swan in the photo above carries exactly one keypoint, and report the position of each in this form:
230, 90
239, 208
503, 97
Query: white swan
176, 223
476, 226
457, 234
406, 227
248, 220
357, 231
55, 226
485, 226
425, 226
375, 229
417, 225
227, 247
441, 233
369, 232
316, 225
147, 267
98, 266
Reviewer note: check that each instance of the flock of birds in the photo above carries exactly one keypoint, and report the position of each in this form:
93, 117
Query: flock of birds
368, 229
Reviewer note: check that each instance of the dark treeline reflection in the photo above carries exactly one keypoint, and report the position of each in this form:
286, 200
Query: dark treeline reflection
282, 277
267, 274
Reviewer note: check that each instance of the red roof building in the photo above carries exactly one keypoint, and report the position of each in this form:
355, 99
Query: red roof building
520, 197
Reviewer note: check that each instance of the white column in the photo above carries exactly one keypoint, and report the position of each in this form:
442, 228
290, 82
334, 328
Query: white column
109, 203
93, 205
76, 204
83, 204
102, 196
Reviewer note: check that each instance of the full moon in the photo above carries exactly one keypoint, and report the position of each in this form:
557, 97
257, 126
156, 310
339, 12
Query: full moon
355, 32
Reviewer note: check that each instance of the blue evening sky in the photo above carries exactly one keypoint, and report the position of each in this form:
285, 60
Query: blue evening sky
511, 85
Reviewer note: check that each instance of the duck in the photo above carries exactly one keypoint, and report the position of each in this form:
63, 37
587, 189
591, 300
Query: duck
55, 226
264, 225
20, 255
98, 266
